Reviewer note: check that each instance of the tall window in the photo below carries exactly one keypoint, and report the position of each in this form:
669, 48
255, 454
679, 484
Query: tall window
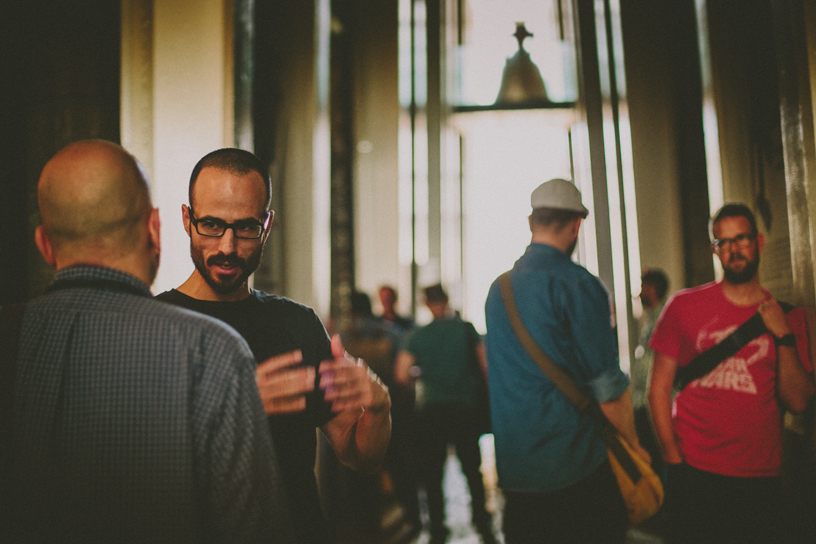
507, 154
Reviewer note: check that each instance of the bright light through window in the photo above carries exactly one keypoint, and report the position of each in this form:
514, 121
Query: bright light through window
489, 41
506, 157
507, 154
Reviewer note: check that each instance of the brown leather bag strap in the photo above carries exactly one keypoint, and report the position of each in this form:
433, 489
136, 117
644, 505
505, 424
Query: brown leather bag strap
11, 317
583, 402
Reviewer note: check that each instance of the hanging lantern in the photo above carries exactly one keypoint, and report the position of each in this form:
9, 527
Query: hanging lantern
521, 80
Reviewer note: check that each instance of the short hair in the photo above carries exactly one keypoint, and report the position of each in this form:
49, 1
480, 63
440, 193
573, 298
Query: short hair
361, 304
553, 217
236, 161
657, 278
435, 293
734, 209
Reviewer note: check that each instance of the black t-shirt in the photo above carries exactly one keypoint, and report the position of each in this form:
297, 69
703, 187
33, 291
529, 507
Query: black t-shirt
273, 325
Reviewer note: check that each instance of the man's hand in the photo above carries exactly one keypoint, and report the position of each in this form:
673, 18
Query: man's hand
774, 318
283, 388
619, 412
349, 384
359, 434
794, 384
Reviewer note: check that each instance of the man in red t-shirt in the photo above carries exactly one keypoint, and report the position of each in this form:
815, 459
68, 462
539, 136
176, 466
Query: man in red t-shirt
722, 436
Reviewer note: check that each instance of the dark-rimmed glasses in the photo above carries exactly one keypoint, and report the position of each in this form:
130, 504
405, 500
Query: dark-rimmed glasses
740, 241
247, 229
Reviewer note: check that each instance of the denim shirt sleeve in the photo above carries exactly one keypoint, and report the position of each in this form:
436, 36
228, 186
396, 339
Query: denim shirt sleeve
609, 385
587, 309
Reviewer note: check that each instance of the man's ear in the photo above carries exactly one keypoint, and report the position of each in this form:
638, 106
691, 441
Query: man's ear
760, 241
185, 217
154, 231
269, 226
45, 247
577, 226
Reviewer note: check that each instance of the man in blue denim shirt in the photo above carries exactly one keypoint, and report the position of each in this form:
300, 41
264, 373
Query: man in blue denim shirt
552, 464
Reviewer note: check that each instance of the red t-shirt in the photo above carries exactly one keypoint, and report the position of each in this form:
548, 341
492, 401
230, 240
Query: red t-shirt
729, 421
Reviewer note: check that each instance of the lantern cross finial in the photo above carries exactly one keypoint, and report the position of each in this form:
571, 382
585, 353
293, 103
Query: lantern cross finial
522, 33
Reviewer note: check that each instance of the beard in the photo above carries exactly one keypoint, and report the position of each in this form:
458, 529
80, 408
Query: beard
742, 276
225, 285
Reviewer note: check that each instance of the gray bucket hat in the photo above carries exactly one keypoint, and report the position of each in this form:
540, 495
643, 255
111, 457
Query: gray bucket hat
558, 194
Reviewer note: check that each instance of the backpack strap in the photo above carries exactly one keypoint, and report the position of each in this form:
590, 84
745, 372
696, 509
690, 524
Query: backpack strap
729, 346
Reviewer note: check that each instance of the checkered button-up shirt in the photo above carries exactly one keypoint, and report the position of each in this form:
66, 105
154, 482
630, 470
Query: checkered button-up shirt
138, 421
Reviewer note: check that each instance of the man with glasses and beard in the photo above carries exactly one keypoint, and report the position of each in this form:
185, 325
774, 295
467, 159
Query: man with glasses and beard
722, 437
305, 379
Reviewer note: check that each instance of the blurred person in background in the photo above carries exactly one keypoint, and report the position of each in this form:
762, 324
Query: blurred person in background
449, 355
654, 285
388, 300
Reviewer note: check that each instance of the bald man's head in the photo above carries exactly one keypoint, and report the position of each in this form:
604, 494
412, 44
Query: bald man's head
93, 196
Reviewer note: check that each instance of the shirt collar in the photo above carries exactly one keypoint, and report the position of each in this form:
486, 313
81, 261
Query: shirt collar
537, 251
91, 273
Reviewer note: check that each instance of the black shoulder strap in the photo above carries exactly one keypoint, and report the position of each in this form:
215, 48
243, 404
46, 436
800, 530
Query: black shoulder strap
713, 356
11, 317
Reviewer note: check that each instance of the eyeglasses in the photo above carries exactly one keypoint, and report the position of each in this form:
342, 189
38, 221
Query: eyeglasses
740, 241
247, 229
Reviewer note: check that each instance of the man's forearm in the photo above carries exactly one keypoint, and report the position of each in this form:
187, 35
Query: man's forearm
371, 436
620, 413
660, 411
794, 384
659, 399
402, 368
360, 437
481, 356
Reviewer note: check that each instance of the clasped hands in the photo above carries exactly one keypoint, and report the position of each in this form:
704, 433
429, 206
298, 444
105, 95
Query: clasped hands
347, 383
